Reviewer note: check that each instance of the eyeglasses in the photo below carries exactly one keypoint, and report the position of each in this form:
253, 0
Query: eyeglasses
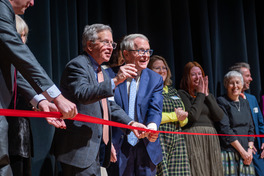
148, 52
160, 68
108, 43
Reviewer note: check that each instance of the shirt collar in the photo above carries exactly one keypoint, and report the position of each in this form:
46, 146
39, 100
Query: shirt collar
94, 63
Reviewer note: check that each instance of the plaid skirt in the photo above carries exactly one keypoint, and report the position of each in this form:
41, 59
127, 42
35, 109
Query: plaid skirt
233, 165
175, 159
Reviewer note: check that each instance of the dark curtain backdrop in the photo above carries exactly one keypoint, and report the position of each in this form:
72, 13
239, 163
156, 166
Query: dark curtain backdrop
216, 33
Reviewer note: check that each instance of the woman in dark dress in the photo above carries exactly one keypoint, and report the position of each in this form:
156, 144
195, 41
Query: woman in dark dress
236, 151
203, 151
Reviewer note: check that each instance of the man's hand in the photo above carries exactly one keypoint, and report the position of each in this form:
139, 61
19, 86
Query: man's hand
254, 150
113, 154
67, 108
262, 153
125, 71
153, 136
139, 134
46, 106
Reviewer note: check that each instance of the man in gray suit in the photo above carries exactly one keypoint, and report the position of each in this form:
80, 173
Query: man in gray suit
77, 147
14, 53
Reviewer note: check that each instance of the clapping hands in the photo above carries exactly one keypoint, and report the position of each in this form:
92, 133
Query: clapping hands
203, 85
181, 114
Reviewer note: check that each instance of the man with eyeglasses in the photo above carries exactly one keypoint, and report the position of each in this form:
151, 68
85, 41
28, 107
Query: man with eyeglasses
86, 83
141, 98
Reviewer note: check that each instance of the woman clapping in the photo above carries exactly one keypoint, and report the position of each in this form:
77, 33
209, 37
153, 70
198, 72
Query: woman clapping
203, 151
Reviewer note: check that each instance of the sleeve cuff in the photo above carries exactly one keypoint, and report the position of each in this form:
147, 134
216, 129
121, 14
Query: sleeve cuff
111, 98
113, 84
52, 93
184, 122
168, 117
152, 126
130, 122
36, 99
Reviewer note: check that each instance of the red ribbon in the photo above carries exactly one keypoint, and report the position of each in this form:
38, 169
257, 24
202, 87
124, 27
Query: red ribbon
90, 119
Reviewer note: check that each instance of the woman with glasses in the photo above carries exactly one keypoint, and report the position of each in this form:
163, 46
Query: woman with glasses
175, 158
203, 150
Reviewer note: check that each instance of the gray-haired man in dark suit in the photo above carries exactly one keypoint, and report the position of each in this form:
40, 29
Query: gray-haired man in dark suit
77, 147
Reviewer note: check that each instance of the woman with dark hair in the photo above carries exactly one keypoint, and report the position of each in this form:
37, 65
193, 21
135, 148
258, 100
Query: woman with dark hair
203, 150
175, 158
237, 152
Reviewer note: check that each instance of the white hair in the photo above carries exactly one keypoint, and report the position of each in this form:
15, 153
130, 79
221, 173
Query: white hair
232, 74
128, 42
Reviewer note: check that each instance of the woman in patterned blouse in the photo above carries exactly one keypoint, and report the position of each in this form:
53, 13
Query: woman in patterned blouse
175, 159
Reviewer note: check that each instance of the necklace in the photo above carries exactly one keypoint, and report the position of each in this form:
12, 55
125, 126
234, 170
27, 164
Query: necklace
238, 107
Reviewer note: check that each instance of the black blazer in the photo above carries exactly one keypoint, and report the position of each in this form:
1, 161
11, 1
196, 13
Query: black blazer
15, 52
79, 144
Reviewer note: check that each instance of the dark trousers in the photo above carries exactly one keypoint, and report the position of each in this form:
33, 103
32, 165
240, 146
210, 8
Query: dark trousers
92, 170
20, 166
5, 169
133, 161
258, 163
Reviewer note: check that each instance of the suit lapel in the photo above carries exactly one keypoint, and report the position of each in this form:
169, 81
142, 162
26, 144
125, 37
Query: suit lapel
124, 95
144, 81
91, 72
90, 69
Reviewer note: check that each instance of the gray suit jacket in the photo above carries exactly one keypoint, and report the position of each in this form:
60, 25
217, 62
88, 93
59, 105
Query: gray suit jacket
14, 51
78, 145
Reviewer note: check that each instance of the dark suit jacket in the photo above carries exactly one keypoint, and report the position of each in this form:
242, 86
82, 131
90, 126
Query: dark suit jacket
257, 118
78, 145
148, 109
14, 51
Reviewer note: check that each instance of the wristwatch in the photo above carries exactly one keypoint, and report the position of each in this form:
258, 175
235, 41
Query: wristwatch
250, 146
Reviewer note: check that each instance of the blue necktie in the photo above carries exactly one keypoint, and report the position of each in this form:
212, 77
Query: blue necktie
131, 138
